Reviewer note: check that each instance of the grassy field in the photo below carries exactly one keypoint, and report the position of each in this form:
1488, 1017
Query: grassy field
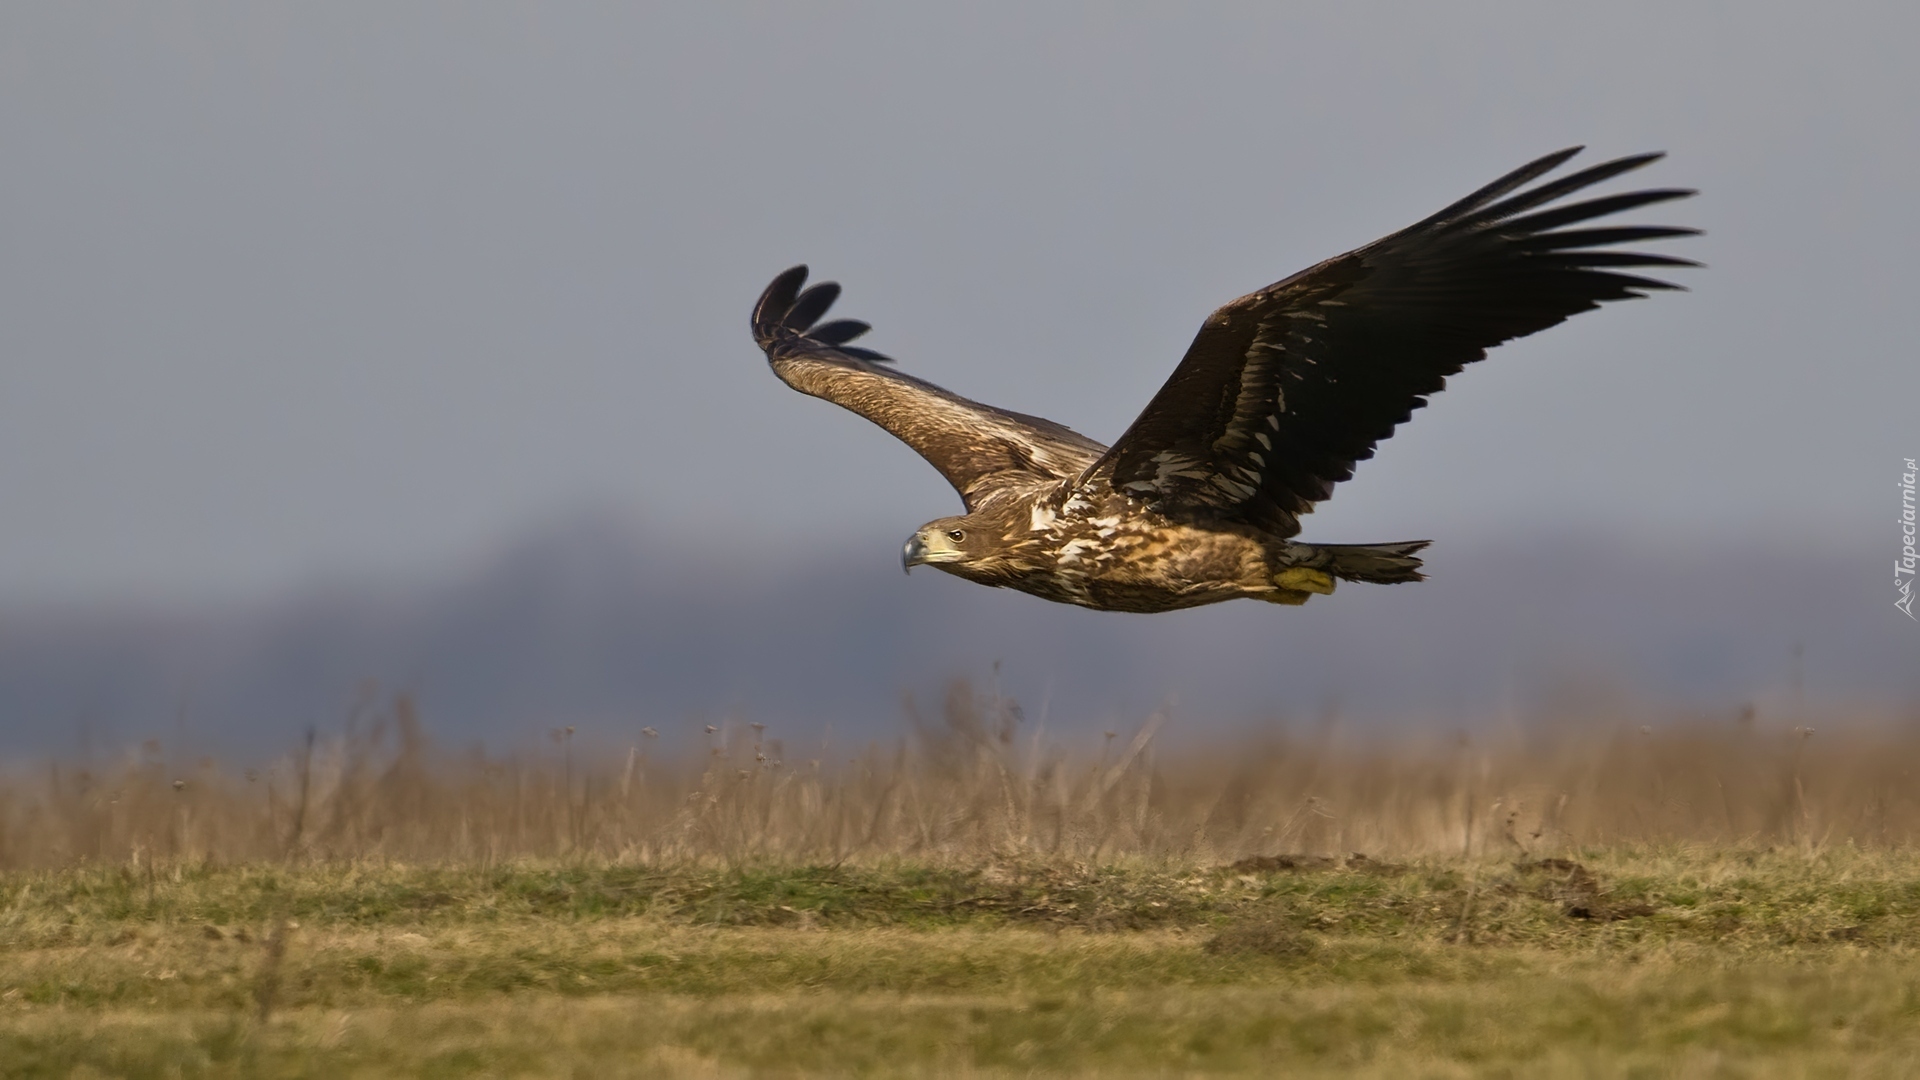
1712, 897
1650, 962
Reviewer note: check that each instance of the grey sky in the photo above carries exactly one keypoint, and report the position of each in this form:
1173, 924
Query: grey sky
365, 289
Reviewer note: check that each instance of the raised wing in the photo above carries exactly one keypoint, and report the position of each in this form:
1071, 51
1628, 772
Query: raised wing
979, 449
1284, 390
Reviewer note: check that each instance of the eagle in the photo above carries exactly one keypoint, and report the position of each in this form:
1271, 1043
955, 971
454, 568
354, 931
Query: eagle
1281, 393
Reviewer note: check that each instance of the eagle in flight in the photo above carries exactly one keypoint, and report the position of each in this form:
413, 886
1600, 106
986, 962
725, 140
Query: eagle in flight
1280, 394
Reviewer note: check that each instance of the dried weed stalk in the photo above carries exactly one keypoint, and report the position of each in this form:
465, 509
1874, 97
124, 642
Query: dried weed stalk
972, 785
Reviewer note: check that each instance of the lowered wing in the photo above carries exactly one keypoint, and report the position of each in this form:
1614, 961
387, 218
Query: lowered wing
1284, 390
978, 448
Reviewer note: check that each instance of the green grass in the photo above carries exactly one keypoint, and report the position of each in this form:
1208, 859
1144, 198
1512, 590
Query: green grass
1629, 963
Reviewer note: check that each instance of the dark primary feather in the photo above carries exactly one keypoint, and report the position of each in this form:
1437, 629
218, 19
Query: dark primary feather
981, 450
810, 305
1546, 193
1519, 177
785, 316
1284, 390
839, 331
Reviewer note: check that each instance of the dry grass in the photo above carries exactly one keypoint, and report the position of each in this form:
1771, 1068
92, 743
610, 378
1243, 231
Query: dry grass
1825, 1020
976, 786
1707, 898
1637, 963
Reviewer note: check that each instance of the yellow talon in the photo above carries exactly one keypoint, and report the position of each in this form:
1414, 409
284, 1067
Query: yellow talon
1305, 579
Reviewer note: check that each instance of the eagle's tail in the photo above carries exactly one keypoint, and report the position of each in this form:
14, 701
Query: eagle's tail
1384, 564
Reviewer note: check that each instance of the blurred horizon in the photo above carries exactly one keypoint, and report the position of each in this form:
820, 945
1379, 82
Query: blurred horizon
603, 624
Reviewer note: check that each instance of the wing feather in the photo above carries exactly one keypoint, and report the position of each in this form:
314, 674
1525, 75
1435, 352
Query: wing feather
839, 331
981, 450
810, 305
1283, 391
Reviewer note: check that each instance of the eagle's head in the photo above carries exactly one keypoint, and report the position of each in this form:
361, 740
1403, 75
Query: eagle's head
991, 545
943, 543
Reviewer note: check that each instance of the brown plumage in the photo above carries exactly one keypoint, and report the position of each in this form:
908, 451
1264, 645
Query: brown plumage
1279, 396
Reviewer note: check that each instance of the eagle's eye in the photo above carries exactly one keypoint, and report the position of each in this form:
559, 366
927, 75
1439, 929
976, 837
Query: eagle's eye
957, 535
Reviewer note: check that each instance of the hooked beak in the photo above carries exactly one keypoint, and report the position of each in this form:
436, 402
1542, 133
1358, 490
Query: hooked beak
913, 554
